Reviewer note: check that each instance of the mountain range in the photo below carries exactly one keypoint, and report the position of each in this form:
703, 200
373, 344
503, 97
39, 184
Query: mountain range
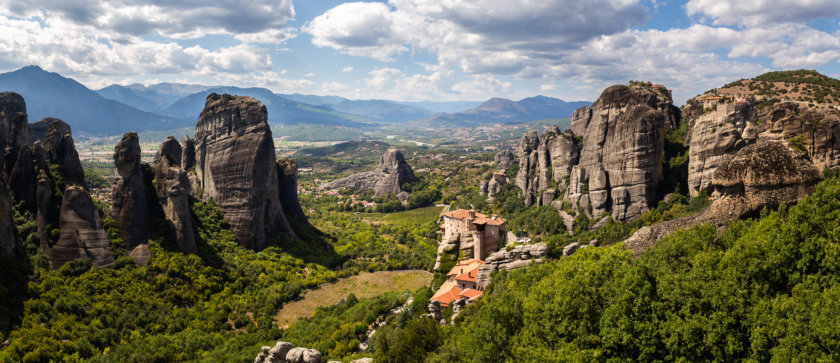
116, 109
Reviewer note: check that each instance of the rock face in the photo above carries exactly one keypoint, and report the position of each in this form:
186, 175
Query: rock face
38, 130
765, 174
9, 242
287, 182
623, 147
392, 171
519, 256
718, 130
129, 207
82, 236
544, 163
235, 165
503, 159
188, 153
173, 191
13, 124
285, 352
61, 150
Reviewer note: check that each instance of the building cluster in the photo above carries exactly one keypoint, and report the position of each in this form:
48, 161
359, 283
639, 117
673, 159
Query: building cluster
460, 283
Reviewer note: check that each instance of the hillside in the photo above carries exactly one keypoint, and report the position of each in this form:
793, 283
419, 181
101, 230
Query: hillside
154, 98
806, 87
51, 95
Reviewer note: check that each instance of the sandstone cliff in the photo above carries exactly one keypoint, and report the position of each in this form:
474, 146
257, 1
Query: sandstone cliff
392, 171
287, 174
82, 236
609, 160
235, 165
173, 191
765, 174
9, 242
13, 127
129, 206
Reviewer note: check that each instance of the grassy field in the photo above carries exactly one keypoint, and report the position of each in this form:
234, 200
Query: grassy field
414, 216
364, 286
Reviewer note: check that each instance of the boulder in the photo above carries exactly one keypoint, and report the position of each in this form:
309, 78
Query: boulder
141, 254
129, 207
235, 165
173, 191
81, 236
517, 257
570, 248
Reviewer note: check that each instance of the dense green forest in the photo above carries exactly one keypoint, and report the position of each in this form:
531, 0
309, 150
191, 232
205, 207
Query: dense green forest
760, 290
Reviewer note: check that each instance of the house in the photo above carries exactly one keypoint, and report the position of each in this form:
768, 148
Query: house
460, 283
476, 234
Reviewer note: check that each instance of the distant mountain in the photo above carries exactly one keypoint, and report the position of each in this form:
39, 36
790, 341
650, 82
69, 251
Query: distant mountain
154, 98
313, 99
382, 110
501, 110
49, 94
444, 106
280, 109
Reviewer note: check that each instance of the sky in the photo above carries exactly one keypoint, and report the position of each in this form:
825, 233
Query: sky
419, 50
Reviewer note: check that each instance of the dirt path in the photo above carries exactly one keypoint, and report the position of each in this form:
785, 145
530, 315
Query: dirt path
364, 286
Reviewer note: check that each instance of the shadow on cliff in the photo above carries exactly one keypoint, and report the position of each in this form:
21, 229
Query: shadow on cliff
14, 280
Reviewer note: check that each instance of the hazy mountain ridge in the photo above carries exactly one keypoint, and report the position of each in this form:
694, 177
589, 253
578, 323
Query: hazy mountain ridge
49, 94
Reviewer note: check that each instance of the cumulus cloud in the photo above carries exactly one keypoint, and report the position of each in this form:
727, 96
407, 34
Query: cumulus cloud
173, 19
478, 36
347, 69
761, 12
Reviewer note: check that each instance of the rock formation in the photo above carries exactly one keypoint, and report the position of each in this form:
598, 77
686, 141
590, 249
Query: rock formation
129, 206
504, 159
392, 172
519, 256
623, 147
82, 236
490, 187
9, 242
188, 153
718, 130
544, 163
765, 174
235, 165
287, 182
61, 149
285, 352
38, 130
13, 127
173, 191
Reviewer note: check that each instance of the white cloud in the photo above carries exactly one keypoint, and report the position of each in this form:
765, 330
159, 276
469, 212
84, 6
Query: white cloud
174, 19
498, 36
347, 69
334, 88
762, 12
482, 85
309, 75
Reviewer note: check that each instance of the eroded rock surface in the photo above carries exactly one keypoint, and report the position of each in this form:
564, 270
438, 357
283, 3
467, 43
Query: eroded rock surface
392, 171
173, 191
9, 242
544, 163
82, 236
519, 256
287, 174
129, 207
235, 165
285, 352
765, 174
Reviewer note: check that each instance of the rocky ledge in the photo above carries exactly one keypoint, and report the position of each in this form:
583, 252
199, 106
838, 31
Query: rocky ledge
392, 172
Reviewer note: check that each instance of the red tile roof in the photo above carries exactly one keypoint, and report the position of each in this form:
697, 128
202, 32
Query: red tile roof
479, 218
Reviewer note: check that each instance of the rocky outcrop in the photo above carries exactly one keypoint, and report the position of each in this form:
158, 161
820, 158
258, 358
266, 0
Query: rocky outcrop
61, 150
545, 162
38, 130
285, 352
129, 207
173, 191
287, 182
517, 257
623, 147
717, 130
9, 242
765, 174
235, 165
13, 127
22, 174
392, 172
504, 159
188, 153
81, 236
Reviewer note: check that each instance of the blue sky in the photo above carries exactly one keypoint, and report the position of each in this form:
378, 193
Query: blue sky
422, 49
